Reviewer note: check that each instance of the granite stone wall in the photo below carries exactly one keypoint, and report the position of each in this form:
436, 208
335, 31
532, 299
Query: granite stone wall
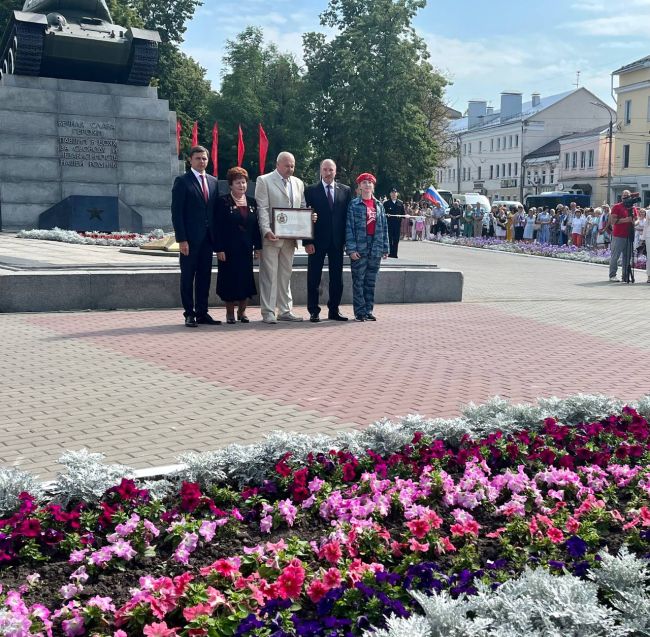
66, 137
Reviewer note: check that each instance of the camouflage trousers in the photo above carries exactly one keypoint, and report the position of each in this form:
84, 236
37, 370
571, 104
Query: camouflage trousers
364, 278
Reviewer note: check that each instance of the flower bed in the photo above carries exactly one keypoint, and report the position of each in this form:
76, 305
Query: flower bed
567, 252
121, 239
332, 536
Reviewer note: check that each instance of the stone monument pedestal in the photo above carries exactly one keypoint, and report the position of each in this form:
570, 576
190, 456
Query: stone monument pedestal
65, 138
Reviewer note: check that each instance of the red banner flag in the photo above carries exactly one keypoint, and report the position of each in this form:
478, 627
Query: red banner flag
179, 129
195, 134
264, 147
240, 147
215, 152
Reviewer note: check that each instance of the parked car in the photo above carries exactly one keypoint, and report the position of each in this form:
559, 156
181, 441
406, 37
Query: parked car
506, 203
472, 198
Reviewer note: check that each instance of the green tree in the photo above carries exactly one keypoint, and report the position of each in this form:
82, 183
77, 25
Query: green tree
168, 17
260, 85
375, 100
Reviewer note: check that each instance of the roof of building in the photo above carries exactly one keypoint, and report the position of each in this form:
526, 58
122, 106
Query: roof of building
599, 130
553, 147
547, 150
527, 110
632, 66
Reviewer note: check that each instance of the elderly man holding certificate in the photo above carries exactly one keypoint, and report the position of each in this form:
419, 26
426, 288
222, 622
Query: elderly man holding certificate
283, 220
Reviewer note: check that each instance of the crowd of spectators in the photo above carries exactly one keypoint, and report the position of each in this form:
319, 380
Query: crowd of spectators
587, 228
564, 225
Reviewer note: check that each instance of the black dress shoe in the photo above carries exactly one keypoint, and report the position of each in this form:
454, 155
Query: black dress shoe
190, 321
230, 320
336, 316
314, 318
371, 317
359, 318
206, 319
243, 318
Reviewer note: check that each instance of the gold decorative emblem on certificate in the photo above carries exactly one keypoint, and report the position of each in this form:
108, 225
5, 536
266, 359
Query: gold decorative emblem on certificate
292, 223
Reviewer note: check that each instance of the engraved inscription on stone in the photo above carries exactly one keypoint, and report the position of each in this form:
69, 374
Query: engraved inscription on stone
89, 143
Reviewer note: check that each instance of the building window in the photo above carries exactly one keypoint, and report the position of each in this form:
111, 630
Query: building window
626, 156
583, 158
469, 174
574, 159
516, 141
648, 115
543, 176
503, 170
464, 149
497, 171
504, 142
509, 170
491, 171
453, 174
469, 148
516, 167
480, 147
492, 144
479, 173
463, 173
498, 143
551, 176
647, 155
628, 111
566, 160
510, 141
590, 162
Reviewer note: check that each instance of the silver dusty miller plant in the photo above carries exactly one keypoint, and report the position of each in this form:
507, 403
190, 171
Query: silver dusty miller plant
625, 579
538, 604
86, 477
12, 483
251, 464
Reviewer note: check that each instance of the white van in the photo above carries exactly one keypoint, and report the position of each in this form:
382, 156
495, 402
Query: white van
473, 198
506, 203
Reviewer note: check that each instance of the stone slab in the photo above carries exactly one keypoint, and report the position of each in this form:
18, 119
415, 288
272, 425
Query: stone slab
106, 290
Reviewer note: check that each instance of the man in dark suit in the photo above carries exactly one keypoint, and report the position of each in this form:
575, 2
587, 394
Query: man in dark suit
394, 206
193, 200
330, 200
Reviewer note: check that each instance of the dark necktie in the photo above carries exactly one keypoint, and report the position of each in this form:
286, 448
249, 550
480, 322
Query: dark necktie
204, 188
330, 197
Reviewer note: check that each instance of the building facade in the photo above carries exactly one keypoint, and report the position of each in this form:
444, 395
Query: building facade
490, 145
632, 158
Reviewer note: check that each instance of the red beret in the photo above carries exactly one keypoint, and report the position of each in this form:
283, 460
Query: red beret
366, 176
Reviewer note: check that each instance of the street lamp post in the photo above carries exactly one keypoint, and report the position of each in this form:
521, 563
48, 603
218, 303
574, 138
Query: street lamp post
609, 137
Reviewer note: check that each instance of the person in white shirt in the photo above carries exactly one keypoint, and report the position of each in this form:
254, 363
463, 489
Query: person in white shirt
578, 228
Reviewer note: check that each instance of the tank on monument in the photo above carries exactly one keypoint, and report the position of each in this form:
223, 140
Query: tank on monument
77, 40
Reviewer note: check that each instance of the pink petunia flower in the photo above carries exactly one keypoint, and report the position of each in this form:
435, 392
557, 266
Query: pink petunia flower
159, 629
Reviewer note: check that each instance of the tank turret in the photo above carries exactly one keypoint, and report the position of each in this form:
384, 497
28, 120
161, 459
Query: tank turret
77, 40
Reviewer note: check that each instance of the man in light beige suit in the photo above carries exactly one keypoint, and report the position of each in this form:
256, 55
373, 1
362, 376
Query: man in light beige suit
279, 189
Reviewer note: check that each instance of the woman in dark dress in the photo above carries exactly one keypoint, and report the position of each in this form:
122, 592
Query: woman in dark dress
237, 236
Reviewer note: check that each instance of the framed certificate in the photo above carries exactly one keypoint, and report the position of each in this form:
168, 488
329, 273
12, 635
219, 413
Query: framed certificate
292, 223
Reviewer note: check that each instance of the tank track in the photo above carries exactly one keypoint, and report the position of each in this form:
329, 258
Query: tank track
23, 50
144, 64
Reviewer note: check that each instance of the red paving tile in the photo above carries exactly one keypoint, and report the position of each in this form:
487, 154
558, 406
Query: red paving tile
428, 359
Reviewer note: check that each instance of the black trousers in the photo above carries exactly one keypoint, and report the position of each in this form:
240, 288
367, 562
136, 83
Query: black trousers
394, 231
315, 264
196, 269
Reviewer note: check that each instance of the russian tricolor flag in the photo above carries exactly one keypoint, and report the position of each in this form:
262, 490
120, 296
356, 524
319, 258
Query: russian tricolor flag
432, 195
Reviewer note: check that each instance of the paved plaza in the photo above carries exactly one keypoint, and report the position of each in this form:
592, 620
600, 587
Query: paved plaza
142, 388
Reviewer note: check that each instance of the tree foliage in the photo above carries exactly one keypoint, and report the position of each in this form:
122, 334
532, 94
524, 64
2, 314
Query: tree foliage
260, 85
374, 98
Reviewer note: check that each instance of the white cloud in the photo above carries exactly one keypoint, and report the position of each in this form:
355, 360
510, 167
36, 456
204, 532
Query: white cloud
615, 25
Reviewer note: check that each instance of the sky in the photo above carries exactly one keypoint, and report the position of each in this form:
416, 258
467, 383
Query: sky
482, 48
